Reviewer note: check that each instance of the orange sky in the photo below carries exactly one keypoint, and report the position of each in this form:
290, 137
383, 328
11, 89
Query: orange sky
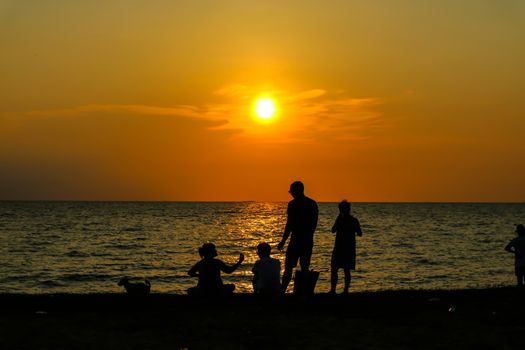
151, 100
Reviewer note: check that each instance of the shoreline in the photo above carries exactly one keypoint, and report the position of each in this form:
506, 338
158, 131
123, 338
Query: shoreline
25, 300
407, 319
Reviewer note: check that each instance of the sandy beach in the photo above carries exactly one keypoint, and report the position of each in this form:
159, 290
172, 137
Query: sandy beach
432, 319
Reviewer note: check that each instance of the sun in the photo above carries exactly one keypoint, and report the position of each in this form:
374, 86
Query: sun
264, 108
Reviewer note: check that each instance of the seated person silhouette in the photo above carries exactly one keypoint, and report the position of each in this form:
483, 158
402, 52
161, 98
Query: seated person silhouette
266, 272
517, 246
208, 270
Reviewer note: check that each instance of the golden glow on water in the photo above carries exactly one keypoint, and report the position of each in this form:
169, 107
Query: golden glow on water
87, 247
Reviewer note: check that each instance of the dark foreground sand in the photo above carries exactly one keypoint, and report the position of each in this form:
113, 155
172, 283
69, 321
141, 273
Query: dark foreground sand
463, 319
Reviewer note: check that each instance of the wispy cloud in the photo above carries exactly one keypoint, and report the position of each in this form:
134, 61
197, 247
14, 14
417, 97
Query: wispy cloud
303, 115
306, 95
180, 110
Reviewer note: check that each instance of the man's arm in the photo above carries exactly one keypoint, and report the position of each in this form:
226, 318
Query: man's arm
334, 228
509, 247
286, 234
287, 230
316, 216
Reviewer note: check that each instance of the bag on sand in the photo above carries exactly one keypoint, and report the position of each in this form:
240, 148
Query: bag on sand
304, 282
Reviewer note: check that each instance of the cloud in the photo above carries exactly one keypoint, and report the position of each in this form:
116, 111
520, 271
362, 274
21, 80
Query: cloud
304, 116
233, 90
339, 118
208, 118
181, 111
306, 95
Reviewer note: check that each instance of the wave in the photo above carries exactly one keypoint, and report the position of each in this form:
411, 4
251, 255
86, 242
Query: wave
81, 277
438, 277
77, 254
133, 229
9, 279
51, 284
424, 261
100, 254
121, 246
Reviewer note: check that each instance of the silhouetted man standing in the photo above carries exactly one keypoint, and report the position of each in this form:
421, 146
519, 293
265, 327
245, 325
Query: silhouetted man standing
301, 224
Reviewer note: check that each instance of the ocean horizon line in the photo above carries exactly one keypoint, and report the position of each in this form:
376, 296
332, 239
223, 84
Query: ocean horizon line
247, 201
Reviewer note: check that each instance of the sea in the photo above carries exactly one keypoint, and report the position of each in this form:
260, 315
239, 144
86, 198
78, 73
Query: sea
86, 247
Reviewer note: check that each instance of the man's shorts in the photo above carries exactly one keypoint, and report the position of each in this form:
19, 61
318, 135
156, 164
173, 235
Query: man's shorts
298, 252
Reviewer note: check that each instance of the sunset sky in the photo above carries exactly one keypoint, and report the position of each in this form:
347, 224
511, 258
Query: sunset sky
381, 100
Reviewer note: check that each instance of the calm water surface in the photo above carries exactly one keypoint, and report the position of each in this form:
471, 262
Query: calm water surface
79, 247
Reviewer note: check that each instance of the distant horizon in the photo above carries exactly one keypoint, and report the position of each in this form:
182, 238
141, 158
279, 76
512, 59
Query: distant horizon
256, 201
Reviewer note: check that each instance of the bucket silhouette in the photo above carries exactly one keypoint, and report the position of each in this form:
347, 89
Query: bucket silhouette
304, 282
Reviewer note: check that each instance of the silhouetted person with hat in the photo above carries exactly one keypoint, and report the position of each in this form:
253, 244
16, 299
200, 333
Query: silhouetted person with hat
301, 224
517, 246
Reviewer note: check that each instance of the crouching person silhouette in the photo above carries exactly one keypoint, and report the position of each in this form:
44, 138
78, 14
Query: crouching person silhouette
208, 270
266, 272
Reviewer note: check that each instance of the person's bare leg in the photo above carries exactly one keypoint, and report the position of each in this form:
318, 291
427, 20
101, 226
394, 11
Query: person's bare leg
304, 262
348, 278
287, 277
333, 279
